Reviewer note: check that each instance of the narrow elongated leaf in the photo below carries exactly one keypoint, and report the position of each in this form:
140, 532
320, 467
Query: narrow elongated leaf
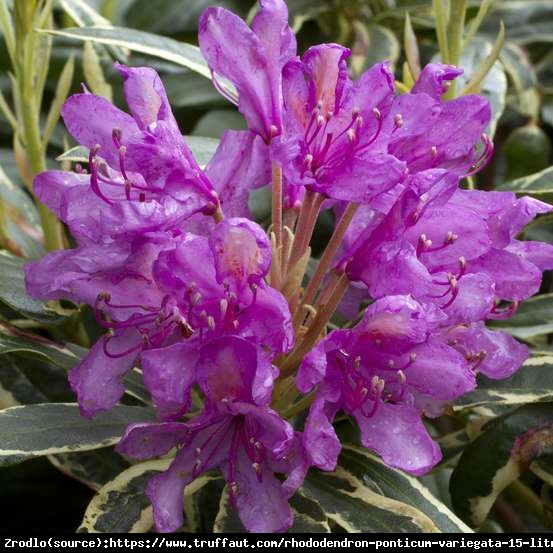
515, 439
365, 495
180, 53
48, 428
13, 340
14, 294
533, 382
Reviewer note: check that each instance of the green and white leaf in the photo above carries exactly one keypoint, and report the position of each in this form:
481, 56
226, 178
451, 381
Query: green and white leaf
14, 294
533, 382
29, 431
180, 53
515, 439
122, 506
15, 387
365, 495
93, 468
14, 340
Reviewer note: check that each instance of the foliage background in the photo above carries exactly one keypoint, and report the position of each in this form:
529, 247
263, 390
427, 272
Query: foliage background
520, 87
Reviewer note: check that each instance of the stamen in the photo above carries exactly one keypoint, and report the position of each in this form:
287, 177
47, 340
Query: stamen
398, 120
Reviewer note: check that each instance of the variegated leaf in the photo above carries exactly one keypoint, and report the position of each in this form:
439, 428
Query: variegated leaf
365, 495
28, 431
496, 458
533, 382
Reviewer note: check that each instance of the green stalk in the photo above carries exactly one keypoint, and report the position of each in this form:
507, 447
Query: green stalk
34, 148
441, 29
455, 28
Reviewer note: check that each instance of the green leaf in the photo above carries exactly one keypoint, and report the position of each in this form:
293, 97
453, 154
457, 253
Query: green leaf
365, 495
526, 21
202, 147
373, 44
492, 84
83, 14
532, 383
14, 294
518, 67
497, 457
188, 89
170, 16
309, 517
216, 121
532, 318
48, 428
15, 387
122, 506
77, 154
13, 340
180, 53
539, 185
93, 468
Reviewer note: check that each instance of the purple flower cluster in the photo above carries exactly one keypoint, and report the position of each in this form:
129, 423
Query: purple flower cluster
207, 302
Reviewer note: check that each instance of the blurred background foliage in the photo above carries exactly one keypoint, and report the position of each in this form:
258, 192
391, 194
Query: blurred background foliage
514, 70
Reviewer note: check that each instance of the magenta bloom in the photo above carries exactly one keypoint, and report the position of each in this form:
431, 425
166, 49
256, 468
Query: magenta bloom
241, 436
460, 255
385, 372
252, 59
332, 140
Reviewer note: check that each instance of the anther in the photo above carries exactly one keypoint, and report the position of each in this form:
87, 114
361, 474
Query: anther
351, 135
273, 129
462, 262
412, 357
391, 364
398, 120
357, 362
450, 237
434, 151
211, 322
401, 377
233, 488
196, 299
376, 113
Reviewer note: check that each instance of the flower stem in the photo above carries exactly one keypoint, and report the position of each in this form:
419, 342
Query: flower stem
329, 253
310, 338
277, 207
306, 224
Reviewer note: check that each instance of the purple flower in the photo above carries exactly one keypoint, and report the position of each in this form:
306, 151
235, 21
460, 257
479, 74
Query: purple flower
332, 140
427, 133
142, 175
460, 254
160, 305
252, 59
241, 436
384, 372
490, 352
